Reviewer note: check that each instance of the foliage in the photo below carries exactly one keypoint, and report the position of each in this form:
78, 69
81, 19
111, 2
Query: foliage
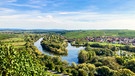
82, 72
131, 65
21, 62
55, 44
120, 60
74, 72
104, 71
83, 56
97, 59
124, 72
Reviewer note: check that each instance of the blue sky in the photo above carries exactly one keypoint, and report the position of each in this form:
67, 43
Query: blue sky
67, 14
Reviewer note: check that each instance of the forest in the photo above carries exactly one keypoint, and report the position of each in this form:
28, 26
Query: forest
19, 56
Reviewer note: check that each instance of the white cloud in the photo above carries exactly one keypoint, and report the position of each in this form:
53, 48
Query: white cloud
63, 13
6, 10
26, 5
11, 0
8, 0
65, 20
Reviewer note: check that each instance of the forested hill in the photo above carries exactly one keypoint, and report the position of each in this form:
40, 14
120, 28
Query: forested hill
15, 30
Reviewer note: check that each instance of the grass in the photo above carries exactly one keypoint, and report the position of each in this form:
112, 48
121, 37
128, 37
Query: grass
6, 36
13, 40
104, 43
16, 42
96, 33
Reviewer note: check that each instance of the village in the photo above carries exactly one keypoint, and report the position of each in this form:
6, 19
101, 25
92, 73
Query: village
114, 40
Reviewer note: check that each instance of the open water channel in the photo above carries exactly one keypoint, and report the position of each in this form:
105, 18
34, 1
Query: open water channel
72, 52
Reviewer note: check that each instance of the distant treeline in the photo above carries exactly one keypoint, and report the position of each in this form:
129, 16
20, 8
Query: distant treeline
76, 33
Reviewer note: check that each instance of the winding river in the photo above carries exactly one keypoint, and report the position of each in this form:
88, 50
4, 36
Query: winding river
72, 52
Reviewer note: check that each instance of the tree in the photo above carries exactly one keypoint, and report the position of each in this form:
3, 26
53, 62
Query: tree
56, 59
114, 48
87, 47
82, 72
74, 65
83, 56
91, 54
131, 65
62, 68
124, 72
103, 71
91, 67
119, 60
74, 72
57, 68
50, 65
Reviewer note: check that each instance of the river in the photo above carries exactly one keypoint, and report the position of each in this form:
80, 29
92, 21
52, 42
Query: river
72, 52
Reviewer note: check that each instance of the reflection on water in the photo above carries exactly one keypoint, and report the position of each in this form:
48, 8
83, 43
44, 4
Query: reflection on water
72, 52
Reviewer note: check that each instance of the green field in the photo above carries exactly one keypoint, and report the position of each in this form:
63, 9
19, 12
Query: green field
17, 42
104, 43
6, 36
96, 33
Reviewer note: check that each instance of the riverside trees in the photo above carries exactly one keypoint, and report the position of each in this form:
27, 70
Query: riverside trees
55, 44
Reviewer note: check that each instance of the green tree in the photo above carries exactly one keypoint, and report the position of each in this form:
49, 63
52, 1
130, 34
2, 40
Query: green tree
83, 56
91, 54
131, 65
51, 65
124, 72
103, 71
120, 60
91, 67
57, 68
82, 72
74, 72
74, 65
62, 69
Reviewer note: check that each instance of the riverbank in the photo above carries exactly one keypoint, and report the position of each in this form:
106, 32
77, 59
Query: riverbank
55, 44
72, 52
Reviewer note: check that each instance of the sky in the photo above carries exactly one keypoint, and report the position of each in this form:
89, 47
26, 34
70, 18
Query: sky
67, 14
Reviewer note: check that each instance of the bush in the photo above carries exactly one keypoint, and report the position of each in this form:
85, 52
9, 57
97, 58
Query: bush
131, 65
103, 71
124, 72
83, 56
74, 72
82, 72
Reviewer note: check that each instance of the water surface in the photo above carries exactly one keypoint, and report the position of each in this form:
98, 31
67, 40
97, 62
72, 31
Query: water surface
72, 52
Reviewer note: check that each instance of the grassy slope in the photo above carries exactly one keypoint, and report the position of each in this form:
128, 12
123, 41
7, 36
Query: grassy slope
104, 43
95, 33
18, 42
6, 36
